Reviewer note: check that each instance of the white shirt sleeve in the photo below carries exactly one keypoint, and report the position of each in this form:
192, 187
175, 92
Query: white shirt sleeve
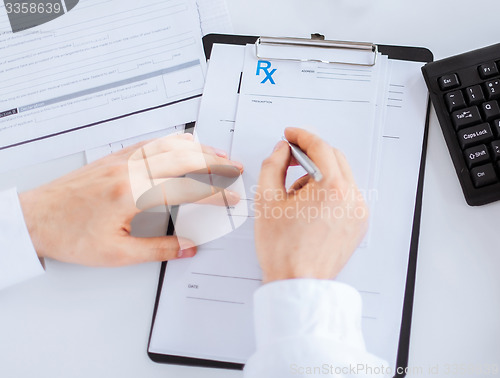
310, 328
18, 259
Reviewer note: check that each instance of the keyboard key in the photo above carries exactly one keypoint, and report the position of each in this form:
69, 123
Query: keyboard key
475, 135
483, 175
491, 110
496, 127
454, 100
495, 148
448, 81
488, 70
474, 95
466, 117
493, 89
477, 155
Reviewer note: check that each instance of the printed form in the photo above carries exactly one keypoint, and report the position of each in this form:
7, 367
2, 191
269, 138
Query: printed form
337, 102
214, 18
68, 84
221, 280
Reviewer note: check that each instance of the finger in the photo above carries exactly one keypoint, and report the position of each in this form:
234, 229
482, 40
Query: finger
181, 162
224, 197
318, 151
133, 150
164, 144
177, 142
156, 249
179, 190
300, 183
274, 169
148, 173
214, 172
167, 143
214, 151
344, 166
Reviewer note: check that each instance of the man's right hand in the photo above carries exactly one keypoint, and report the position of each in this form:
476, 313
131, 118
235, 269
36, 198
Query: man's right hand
311, 230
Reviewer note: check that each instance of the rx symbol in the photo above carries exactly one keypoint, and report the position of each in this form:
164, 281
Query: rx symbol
264, 65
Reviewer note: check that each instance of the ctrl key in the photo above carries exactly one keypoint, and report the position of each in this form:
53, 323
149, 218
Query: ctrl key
483, 175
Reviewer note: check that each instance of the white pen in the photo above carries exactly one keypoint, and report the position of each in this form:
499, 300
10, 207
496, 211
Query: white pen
304, 161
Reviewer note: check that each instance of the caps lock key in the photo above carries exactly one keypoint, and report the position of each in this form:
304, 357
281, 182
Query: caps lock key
475, 135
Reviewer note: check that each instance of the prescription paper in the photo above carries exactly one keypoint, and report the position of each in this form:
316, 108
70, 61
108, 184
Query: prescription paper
219, 282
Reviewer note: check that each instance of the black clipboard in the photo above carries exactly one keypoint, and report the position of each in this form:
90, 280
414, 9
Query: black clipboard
416, 54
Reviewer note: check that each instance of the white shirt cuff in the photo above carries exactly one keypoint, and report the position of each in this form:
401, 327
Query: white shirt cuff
318, 308
18, 258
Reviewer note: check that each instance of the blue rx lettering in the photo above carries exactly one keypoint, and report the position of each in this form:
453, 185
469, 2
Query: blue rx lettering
264, 65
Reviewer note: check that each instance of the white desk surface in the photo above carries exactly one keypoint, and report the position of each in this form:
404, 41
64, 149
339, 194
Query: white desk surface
82, 322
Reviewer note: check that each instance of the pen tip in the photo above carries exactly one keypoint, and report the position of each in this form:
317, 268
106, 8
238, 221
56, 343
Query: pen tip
318, 176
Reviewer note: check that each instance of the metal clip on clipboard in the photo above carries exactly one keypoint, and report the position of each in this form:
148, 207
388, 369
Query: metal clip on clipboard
336, 52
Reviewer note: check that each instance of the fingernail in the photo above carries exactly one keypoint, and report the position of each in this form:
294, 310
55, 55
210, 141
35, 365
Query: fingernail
233, 196
186, 253
280, 144
185, 244
220, 153
187, 136
237, 164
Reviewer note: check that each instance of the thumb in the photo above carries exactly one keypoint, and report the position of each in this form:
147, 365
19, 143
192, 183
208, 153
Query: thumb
274, 168
162, 248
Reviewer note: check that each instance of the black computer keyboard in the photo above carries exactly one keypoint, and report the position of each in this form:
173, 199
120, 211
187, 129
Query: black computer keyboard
465, 90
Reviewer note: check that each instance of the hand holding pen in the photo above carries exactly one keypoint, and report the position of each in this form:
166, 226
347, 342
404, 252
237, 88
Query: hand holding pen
321, 219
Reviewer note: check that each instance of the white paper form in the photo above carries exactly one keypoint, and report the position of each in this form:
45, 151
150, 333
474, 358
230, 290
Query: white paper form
384, 260
214, 18
337, 102
101, 61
